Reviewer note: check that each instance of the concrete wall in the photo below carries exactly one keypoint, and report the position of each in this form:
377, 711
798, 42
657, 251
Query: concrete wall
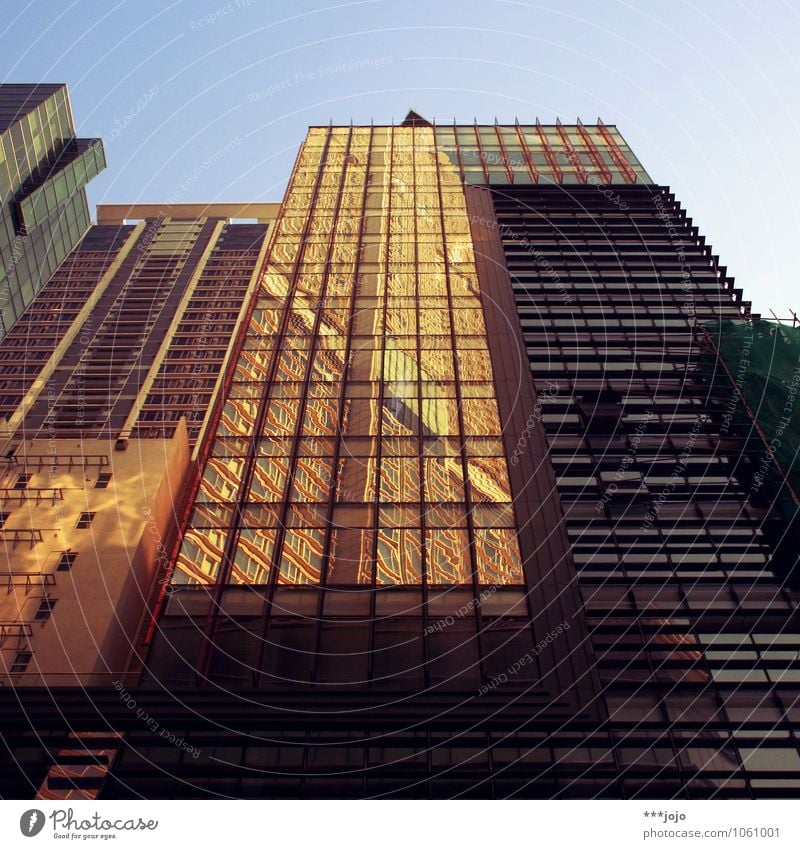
101, 602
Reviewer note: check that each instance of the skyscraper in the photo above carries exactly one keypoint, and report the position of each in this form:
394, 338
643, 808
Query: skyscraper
108, 380
468, 518
130, 334
44, 169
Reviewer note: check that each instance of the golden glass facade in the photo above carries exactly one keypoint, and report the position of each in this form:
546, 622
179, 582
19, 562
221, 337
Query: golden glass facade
359, 443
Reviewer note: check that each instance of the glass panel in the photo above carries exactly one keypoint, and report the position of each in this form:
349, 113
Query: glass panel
200, 557
311, 480
447, 554
444, 479
399, 479
301, 557
320, 418
356, 479
351, 556
399, 557
269, 479
488, 479
281, 417
497, 556
480, 417
253, 558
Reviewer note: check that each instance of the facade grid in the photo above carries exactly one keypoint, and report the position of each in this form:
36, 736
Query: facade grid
466, 514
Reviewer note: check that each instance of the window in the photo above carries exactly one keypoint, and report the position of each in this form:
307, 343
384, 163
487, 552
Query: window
21, 661
84, 520
103, 480
46, 606
65, 561
22, 481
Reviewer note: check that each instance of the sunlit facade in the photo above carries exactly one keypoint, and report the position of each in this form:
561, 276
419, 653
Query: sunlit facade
107, 383
361, 438
463, 516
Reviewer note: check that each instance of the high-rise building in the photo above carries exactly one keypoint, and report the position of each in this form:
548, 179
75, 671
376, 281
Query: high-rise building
475, 512
44, 169
129, 335
108, 380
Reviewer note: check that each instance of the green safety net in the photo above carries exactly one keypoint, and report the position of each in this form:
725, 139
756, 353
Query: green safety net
763, 358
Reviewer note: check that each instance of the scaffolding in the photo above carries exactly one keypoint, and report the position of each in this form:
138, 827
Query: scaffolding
762, 358
759, 361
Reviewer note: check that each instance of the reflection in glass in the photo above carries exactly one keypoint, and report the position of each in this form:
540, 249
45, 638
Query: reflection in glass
222, 478
400, 416
399, 479
440, 417
269, 479
488, 479
497, 556
351, 556
253, 558
447, 553
200, 557
281, 417
356, 479
238, 417
368, 312
360, 417
399, 557
480, 417
311, 480
301, 556
444, 479
320, 418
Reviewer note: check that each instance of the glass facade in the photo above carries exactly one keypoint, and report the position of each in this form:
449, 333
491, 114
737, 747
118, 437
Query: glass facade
523, 154
44, 169
360, 439
357, 473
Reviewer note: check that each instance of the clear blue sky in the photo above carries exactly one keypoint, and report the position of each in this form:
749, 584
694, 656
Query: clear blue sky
706, 93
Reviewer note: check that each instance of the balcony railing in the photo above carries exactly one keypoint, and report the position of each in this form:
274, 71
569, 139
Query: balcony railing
51, 494
29, 580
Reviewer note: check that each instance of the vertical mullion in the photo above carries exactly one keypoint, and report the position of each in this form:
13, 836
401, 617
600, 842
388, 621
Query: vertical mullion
461, 438
594, 153
420, 446
338, 439
284, 508
558, 177
509, 173
572, 156
616, 154
251, 459
379, 406
526, 152
457, 144
481, 156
